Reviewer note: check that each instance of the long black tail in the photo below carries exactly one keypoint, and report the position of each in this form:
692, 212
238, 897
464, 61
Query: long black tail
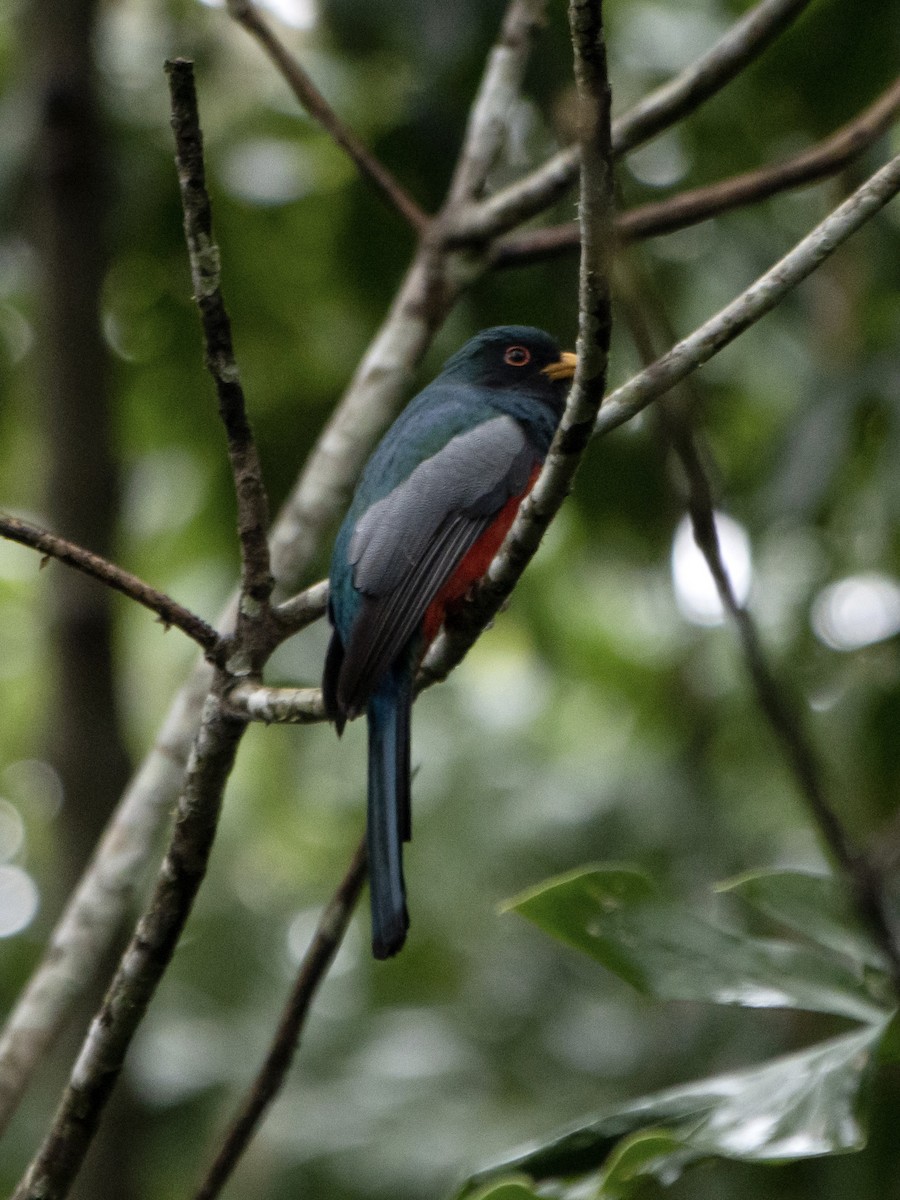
388, 823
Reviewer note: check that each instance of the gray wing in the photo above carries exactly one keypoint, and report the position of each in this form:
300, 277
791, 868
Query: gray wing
407, 545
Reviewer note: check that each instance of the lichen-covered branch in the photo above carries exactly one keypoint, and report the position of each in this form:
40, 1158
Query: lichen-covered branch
203, 253
500, 88
54, 1167
594, 325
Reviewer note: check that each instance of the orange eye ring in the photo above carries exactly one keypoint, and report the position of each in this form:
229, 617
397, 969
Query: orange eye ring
517, 356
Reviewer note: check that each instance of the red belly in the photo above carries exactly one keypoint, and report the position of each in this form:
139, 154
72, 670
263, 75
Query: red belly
473, 564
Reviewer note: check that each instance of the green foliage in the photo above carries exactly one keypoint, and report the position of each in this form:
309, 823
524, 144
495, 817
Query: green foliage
795, 1106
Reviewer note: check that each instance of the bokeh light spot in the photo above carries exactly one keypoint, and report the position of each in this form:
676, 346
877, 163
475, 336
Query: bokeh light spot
857, 611
12, 830
19, 899
695, 588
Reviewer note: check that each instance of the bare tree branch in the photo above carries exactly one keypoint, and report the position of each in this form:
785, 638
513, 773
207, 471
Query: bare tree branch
762, 296
312, 100
54, 1167
782, 710
700, 204
252, 502
665, 106
276, 705
432, 284
95, 910
271, 1076
489, 116
594, 325
303, 609
745, 41
783, 713
169, 611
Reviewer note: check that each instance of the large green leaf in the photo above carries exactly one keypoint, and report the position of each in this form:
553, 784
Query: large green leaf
617, 916
798, 1106
816, 906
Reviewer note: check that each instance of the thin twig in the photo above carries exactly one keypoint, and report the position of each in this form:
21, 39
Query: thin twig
784, 714
762, 296
389, 188
782, 710
167, 609
315, 965
700, 204
54, 1167
252, 503
743, 42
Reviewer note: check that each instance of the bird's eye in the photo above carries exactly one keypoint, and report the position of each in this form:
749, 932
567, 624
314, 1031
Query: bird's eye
517, 356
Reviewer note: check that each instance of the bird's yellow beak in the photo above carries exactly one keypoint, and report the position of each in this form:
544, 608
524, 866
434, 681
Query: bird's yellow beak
564, 368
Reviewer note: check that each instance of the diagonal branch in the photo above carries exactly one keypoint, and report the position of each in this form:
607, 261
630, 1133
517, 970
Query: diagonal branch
54, 1167
268, 1082
745, 41
665, 106
303, 609
500, 86
779, 706
252, 502
167, 609
783, 714
390, 189
700, 204
645, 387
762, 296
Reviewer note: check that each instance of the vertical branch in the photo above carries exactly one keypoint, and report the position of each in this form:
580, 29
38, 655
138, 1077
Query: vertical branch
594, 328
252, 503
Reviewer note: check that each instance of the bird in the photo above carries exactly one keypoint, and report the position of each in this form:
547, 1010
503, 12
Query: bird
432, 507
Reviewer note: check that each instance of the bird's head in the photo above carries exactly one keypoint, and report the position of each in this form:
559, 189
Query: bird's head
515, 358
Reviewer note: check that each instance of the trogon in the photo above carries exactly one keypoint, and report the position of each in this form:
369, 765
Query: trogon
432, 508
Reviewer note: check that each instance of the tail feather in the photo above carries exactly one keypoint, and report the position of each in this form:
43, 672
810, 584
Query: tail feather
388, 813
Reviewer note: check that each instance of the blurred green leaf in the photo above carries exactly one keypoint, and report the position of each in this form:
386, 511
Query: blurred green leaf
815, 906
618, 917
798, 1106
635, 1157
507, 1189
